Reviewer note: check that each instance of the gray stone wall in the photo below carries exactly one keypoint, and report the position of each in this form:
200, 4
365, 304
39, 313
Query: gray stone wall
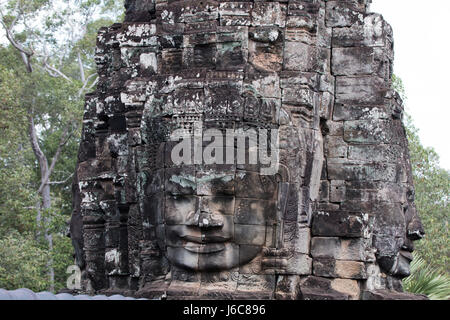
320, 71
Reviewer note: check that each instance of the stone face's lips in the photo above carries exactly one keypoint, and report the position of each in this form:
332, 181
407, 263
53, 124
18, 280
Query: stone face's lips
205, 248
407, 255
205, 239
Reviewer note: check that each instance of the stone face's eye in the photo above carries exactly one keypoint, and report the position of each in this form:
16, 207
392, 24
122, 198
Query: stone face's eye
177, 208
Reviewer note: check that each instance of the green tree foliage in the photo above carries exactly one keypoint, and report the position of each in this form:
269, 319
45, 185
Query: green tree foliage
430, 267
22, 263
16, 161
432, 195
46, 67
431, 184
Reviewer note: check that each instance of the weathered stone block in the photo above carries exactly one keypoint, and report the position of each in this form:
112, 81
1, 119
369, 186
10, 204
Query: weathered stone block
137, 35
330, 268
238, 8
326, 105
374, 192
231, 56
349, 112
369, 132
254, 212
324, 191
373, 32
339, 249
296, 237
300, 56
342, 169
318, 288
353, 61
347, 286
339, 224
337, 191
269, 13
343, 13
265, 50
139, 10
363, 90
381, 153
299, 264
268, 85
335, 147
250, 234
301, 96
390, 295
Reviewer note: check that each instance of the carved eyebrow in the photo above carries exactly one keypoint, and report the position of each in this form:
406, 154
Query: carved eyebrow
185, 181
224, 177
191, 181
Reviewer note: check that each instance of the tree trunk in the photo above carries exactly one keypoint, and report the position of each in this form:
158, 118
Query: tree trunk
45, 202
51, 270
43, 205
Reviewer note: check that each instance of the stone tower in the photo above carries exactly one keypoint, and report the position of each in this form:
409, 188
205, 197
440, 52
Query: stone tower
335, 220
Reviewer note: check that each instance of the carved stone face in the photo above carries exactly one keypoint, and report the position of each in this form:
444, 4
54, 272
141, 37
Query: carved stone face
212, 220
341, 198
398, 231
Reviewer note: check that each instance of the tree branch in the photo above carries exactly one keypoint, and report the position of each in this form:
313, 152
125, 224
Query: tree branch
43, 163
25, 54
55, 71
80, 92
64, 138
80, 65
93, 83
62, 182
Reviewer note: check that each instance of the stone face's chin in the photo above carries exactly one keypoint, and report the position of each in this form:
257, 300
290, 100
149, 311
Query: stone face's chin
207, 257
214, 256
403, 268
205, 248
398, 265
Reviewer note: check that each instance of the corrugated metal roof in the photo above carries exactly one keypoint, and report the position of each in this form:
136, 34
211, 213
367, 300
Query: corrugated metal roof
27, 294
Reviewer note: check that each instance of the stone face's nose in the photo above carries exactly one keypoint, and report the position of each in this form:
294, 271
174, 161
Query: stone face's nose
204, 220
209, 220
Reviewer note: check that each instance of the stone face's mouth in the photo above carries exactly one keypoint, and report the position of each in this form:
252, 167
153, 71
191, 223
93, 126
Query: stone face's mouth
407, 255
204, 248
205, 239
403, 268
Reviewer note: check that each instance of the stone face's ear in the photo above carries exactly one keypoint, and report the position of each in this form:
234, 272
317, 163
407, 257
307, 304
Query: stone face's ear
283, 194
283, 174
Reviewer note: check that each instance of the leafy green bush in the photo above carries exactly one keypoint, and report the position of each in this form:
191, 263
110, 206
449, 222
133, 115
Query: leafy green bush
22, 263
425, 279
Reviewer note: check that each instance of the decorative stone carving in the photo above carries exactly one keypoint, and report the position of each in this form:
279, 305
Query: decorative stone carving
318, 203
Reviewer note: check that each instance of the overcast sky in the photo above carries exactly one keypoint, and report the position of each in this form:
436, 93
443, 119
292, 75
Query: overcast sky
422, 60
